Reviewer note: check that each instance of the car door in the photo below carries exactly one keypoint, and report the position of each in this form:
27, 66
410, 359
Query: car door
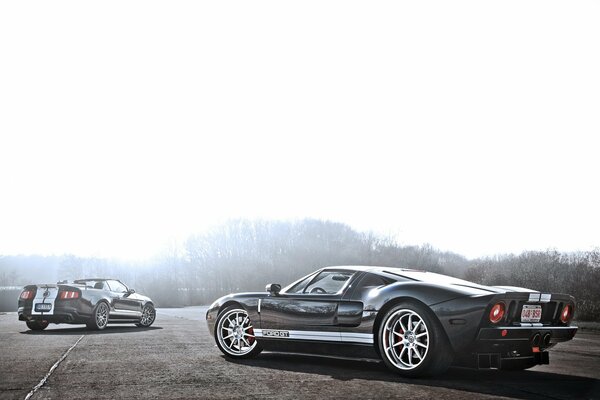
310, 309
124, 307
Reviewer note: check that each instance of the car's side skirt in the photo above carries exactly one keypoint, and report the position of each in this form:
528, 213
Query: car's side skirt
125, 314
123, 321
320, 348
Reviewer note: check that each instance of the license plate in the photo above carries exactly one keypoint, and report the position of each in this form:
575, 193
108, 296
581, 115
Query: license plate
43, 307
531, 313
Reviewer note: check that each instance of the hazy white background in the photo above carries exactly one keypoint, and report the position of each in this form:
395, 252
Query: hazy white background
470, 125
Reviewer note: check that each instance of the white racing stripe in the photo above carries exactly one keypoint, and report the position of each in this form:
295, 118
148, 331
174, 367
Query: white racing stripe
534, 297
357, 337
346, 337
545, 298
50, 292
540, 298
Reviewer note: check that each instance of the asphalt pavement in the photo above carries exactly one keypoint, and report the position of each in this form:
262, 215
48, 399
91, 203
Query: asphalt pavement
176, 358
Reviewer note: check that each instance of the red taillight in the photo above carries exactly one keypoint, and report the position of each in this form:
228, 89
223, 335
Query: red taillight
497, 313
68, 295
27, 294
566, 314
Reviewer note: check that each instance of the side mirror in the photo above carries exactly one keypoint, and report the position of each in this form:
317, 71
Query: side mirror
273, 288
130, 292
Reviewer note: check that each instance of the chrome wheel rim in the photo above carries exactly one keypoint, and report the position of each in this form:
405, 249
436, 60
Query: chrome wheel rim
235, 333
148, 316
405, 339
102, 315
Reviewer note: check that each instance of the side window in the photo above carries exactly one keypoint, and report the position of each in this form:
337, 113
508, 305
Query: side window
116, 286
328, 282
299, 287
370, 281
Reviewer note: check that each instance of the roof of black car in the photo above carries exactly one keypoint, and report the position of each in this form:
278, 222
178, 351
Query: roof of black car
369, 268
412, 274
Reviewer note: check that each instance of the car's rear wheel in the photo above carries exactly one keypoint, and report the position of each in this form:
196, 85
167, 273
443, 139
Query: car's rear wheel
148, 316
412, 342
234, 334
37, 325
99, 318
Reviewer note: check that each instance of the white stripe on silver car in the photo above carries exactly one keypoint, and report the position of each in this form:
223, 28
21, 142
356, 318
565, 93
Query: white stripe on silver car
43, 302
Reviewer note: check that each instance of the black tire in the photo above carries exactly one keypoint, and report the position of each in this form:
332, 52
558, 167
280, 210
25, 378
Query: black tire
148, 316
517, 365
241, 329
99, 318
37, 325
422, 350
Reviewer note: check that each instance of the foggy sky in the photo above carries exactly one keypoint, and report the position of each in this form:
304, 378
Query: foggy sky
471, 126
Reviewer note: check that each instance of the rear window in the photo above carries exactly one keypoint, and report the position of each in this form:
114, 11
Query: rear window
397, 277
370, 281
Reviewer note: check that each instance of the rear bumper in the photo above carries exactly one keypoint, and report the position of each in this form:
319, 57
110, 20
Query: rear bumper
62, 314
522, 338
498, 347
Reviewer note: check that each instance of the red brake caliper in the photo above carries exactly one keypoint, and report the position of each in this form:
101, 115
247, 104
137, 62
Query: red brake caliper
251, 339
401, 333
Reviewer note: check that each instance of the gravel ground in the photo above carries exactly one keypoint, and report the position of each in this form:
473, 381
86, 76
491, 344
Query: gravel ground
176, 359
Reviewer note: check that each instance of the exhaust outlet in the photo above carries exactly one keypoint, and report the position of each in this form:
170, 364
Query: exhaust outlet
535, 341
546, 340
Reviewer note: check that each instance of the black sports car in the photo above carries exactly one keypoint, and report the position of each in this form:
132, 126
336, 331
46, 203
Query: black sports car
94, 302
418, 322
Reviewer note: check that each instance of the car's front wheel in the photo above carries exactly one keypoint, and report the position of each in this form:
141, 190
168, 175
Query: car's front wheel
412, 342
37, 325
148, 316
234, 334
99, 318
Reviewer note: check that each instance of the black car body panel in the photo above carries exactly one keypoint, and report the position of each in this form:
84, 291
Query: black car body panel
346, 323
125, 305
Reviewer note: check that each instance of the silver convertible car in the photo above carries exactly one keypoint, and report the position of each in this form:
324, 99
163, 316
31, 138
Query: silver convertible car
94, 302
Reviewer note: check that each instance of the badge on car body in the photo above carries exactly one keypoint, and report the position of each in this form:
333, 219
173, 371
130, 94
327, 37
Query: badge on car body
275, 333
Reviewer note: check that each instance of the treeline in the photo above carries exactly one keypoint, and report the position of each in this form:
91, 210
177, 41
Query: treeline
245, 255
